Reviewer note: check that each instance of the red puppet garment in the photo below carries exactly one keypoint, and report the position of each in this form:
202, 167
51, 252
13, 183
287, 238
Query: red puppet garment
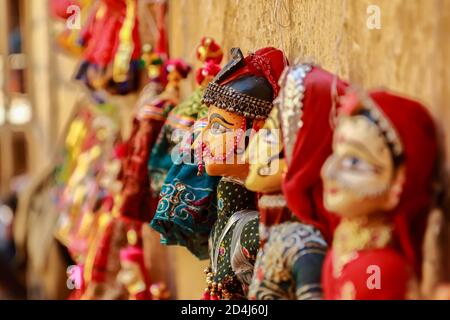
60, 8
112, 47
307, 135
379, 257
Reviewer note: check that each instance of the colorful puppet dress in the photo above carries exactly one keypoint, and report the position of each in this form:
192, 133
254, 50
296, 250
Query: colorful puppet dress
289, 262
234, 241
112, 47
187, 209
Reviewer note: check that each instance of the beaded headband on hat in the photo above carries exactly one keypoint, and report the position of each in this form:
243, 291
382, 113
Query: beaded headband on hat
229, 99
234, 101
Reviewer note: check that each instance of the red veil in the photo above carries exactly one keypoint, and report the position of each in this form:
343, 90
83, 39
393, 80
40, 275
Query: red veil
302, 185
418, 136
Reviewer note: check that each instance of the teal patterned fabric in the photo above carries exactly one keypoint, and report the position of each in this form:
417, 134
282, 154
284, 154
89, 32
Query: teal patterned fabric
187, 208
186, 211
289, 265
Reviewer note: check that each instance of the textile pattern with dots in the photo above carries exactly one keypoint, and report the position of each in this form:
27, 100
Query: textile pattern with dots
233, 197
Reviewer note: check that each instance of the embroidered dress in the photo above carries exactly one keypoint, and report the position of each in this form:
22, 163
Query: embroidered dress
289, 262
234, 240
361, 249
187, 208
192, 210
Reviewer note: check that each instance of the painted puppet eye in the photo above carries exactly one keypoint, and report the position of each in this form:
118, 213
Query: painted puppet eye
270, 137
356, 164
217, 128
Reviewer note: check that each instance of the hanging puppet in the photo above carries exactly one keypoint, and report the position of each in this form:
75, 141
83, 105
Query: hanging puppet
112, 47
133, 273
183, 116
185, 212
379, 180
136, 204
92, 180
289, 262
239, 98
138, 201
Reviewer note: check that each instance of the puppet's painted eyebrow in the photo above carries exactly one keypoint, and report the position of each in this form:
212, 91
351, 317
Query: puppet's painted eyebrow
218, 116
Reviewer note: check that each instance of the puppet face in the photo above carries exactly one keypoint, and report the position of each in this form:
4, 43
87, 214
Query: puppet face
174, 77
131, 276
225, 150
359, 177
265, 156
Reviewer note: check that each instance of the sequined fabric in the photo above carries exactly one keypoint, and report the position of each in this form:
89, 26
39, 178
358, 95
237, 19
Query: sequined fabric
289, 265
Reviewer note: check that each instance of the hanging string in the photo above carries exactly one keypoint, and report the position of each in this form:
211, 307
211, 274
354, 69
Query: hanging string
150, 23
334, 93
281, 4
193, 53
208, 17
277, 17
185, 27
235, 20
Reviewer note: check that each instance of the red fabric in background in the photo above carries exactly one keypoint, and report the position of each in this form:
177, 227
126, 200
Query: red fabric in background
58, 8
138, 202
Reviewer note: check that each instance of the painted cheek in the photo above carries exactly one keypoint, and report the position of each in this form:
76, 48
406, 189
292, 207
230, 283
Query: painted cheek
340, 139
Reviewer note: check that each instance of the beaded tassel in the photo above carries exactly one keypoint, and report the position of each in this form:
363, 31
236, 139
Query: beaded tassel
213, 290
238, 138
199, 151
207, 295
